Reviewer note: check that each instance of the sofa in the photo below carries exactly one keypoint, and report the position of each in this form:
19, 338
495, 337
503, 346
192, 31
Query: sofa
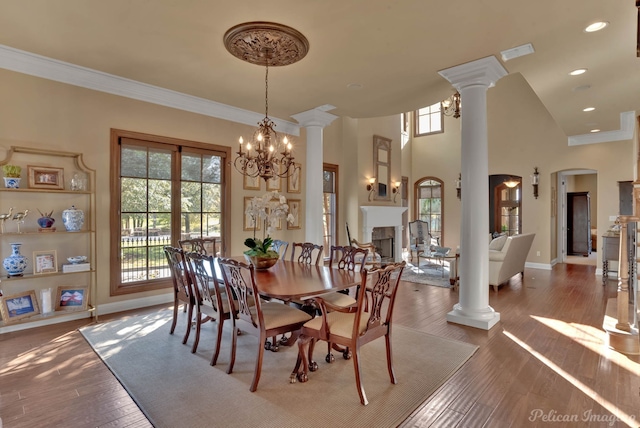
507, 256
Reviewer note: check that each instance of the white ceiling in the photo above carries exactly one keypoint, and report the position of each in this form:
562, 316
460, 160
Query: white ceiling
393, 49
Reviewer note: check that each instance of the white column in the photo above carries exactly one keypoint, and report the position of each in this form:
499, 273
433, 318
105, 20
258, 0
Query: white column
472, 81
314, 121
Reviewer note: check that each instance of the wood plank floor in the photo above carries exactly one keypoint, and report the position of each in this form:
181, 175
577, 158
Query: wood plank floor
543, 364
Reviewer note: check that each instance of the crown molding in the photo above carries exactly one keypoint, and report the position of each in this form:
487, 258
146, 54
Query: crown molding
627, 124
71, 74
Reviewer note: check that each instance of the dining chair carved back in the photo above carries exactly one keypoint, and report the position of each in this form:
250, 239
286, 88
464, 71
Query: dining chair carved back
182, 287
373, 258
309, 253
345, 258
354, 326
207, 246
210, 297
280, 247
254, 315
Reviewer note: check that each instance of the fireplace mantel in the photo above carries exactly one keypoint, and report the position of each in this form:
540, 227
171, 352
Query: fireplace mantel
383, 216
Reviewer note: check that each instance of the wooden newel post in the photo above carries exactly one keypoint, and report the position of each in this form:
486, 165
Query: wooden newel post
623, 277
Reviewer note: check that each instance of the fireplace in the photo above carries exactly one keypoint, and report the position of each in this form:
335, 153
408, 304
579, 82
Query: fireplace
384, 217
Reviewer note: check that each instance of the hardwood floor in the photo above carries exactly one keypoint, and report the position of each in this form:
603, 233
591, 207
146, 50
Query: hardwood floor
544, 364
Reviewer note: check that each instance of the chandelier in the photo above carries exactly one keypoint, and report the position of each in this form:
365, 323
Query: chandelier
265, 155
451, 106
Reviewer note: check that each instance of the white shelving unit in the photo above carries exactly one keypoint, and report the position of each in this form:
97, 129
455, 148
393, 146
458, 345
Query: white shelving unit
64, 243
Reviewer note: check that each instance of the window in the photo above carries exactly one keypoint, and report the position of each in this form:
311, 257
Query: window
329, 206
164, 190
429, 204
429, 120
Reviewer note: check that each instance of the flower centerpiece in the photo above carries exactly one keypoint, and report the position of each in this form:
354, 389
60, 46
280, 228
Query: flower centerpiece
268, 209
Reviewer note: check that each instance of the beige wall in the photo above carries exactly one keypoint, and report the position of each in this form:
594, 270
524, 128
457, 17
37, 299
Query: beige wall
522, 135
47, 114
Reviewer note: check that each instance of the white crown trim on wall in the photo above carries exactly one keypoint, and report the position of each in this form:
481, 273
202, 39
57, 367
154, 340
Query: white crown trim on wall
64, 72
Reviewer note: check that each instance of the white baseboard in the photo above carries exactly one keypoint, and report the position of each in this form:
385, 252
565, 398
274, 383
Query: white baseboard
543, 266
127, 305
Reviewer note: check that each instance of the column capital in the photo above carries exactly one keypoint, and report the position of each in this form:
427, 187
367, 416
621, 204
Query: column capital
485, 71
314, 117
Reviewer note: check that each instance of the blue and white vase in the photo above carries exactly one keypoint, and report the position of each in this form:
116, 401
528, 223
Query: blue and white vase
16, 263
12, 182
73, 219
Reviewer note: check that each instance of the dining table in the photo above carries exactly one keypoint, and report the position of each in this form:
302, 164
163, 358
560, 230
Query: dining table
292, 281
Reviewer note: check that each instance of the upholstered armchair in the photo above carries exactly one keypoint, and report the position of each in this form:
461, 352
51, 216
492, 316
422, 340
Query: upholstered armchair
419, 237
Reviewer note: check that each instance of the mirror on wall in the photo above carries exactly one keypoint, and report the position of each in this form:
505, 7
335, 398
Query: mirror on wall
382, 167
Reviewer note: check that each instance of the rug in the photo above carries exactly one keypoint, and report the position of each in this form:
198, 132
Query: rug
176, 388
427, 273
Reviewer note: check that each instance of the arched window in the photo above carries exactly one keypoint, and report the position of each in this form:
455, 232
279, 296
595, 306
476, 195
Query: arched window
428, 200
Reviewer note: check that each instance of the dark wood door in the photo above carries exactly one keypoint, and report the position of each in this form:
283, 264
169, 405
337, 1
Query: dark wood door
578, 223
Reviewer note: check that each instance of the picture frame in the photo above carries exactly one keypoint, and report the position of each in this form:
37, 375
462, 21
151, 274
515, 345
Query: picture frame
293, 180
274, 183
249, 222
295, 209
45, 262
72, 298
18, 306
44, 177
249, 182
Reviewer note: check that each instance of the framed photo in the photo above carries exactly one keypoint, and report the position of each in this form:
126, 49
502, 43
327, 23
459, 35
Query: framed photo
249, 221
293, 180
45, 262
251, 183
42, 177
274, 183
72, 298
18, 306
296, 211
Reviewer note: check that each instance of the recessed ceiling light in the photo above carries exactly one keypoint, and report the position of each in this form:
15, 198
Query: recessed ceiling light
516, 52
589, 109
578, 71
595, 130
596, 26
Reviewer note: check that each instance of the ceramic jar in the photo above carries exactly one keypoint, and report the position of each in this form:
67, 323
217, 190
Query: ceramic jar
16, 263
73, 219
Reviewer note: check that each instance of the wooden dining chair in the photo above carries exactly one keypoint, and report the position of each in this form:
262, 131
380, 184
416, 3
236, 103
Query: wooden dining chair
354, 326
254, 315
182, 288
211, 302
280, 247
309, 253
347, 258
206, 246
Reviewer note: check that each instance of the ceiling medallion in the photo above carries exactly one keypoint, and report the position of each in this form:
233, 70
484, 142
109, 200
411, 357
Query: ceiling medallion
252, 41
265, 154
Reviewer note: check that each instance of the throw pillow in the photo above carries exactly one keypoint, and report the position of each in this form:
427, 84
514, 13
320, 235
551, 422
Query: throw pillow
497, 243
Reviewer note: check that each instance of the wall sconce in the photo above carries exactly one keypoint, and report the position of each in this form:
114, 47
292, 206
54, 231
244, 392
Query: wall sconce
459, 186
370, 187
451, 106
535, 180
396, 190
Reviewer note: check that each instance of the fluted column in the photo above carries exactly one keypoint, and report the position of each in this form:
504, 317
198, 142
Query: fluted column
314, 121
472, 81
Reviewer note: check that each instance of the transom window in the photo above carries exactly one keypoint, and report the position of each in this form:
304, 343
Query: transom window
163, 190
429, 120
